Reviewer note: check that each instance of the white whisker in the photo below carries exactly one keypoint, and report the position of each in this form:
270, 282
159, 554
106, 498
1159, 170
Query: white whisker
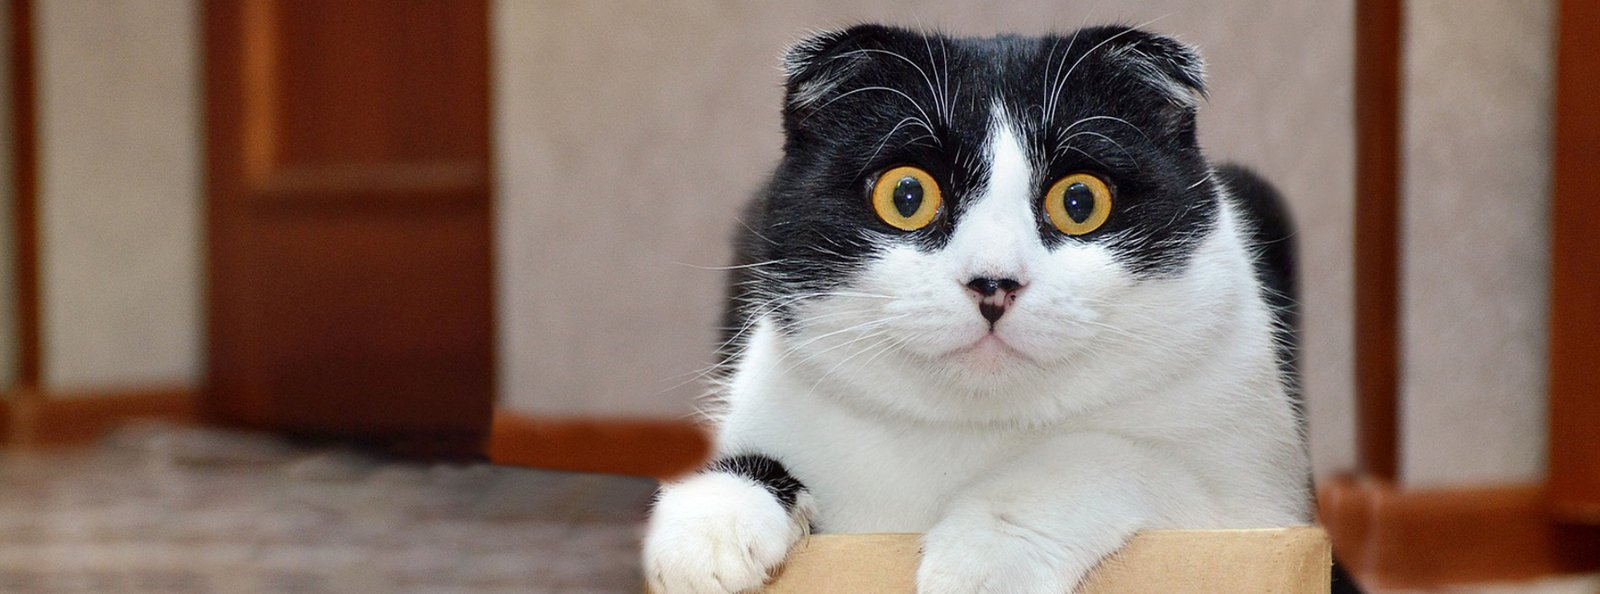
1064, 142
1068, 75
931, 92
925, 119
1106, 117
733, 267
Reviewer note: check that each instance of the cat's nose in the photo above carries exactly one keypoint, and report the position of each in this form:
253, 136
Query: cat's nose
994, 295
987, 287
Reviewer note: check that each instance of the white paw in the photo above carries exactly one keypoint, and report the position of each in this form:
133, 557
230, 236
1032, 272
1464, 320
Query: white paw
717, 533
990, 554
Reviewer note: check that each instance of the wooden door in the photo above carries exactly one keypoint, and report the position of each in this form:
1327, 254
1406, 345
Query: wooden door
1575, 260
348, 164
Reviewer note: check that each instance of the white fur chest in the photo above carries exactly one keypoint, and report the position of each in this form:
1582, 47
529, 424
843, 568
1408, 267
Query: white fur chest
1224, 423
868, 473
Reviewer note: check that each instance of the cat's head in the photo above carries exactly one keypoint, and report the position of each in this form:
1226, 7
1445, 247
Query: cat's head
988, 229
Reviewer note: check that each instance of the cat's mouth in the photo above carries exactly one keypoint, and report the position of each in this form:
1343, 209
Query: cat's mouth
990, 350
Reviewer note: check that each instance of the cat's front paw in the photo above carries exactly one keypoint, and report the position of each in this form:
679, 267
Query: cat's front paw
992, 554
717, 533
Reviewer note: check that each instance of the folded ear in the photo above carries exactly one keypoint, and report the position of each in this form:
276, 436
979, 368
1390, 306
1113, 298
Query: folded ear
1166, 64
818, 63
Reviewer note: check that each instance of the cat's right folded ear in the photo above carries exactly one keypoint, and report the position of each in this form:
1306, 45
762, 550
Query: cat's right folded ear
821, 62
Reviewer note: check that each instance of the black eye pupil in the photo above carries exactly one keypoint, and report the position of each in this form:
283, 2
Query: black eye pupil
1079, 202
908, 196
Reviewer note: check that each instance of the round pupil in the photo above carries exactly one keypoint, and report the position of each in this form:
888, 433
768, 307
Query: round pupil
1079, 202
908, 196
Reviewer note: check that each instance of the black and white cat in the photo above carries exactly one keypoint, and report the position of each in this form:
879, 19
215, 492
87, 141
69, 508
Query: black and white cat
994, 293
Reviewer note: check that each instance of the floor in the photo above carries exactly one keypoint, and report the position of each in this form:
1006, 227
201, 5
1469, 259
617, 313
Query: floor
169, 509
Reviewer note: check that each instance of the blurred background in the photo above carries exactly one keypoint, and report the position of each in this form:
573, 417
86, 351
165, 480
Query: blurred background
313, 237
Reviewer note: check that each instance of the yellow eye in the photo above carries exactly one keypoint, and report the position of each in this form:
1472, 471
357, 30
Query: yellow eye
906, 198
1078, 203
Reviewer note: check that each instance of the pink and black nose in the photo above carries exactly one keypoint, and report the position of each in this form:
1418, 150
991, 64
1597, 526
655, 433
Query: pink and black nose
994, 296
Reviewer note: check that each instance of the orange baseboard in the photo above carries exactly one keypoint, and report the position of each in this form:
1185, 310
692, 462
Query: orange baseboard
1393, 538
33, 419
654, 448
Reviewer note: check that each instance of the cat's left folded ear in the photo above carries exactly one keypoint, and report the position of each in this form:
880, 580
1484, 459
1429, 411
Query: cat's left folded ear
822, 61
1170, 66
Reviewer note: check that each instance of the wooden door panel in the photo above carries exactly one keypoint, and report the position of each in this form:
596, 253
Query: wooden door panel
349, 216
389, 92
377, 281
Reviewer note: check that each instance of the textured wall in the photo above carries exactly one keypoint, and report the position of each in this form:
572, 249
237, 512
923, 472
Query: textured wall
628, 133
8, 285
1476, 247
119, 193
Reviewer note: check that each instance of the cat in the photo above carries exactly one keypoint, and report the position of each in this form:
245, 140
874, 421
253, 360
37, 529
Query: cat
994, 293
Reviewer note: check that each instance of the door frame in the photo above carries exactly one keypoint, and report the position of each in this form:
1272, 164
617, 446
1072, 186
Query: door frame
1394, 537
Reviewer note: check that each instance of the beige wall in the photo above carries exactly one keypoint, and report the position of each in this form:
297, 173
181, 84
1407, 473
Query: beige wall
8, 321
119, 194
1475, 246
628, 134
673, 108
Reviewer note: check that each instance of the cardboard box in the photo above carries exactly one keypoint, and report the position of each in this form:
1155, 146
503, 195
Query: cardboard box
1281, 561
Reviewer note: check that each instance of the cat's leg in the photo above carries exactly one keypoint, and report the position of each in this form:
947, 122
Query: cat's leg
1039, 523
725, 528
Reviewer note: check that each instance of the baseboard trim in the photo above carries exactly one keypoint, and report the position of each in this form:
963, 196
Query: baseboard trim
55, 419
1388, 537
638, 447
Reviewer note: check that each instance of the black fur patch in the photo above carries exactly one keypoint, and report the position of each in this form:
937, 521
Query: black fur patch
1113, 101
765, 471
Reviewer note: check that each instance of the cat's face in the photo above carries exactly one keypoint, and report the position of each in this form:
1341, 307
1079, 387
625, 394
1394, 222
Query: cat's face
970, 228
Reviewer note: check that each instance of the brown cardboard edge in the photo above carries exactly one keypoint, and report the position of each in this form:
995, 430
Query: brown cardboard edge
1174, 562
